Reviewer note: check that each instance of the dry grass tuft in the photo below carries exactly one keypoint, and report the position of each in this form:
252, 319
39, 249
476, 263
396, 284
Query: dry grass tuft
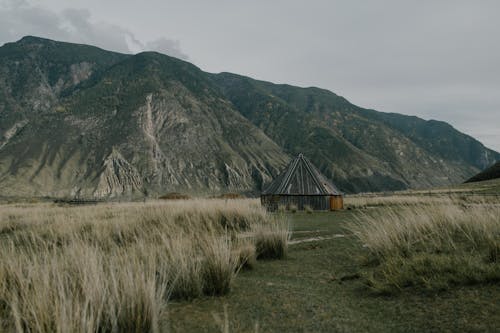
112, 268
433, 246
271, 240
416, 198
247, 254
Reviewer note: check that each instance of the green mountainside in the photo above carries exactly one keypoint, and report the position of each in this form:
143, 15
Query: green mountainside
76, 120
360, 149
493, 172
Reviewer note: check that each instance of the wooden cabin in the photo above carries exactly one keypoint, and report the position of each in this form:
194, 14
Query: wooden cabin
301, 185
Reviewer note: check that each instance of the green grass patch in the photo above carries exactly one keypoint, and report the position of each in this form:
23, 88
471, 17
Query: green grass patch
321, 287
430, 248
431, 273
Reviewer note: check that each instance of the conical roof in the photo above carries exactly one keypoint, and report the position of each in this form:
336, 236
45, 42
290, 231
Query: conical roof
301, 178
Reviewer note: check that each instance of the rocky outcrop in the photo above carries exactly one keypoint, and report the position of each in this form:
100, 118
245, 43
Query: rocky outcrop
11, 132
118, 178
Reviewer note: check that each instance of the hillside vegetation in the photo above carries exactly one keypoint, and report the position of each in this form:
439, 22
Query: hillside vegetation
79, 121
361, 150
493, 172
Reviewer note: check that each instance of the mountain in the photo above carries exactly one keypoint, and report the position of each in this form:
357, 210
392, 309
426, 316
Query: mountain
80, 121
360, 149
493, 172
76, 120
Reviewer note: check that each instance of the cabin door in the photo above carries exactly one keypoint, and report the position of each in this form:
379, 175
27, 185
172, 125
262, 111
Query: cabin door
336, 202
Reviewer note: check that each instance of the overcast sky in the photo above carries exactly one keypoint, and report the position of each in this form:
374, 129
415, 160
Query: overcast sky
437, 59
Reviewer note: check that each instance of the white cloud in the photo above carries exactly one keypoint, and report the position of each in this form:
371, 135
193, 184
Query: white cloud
19, 18
166, 46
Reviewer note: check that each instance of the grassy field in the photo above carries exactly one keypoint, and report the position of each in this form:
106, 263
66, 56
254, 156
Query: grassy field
392, 263
324, 285
114, 267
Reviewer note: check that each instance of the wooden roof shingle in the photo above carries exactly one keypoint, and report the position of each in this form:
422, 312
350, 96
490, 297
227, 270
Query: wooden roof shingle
301, 177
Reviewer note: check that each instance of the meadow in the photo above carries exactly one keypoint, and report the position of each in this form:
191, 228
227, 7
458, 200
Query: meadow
388, 263
407, 262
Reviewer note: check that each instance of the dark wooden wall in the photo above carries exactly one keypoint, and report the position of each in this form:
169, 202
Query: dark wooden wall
315, 202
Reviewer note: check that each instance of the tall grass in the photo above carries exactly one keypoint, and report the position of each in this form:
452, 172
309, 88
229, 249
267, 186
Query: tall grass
366, 200
432, 246
269, 240
112, 268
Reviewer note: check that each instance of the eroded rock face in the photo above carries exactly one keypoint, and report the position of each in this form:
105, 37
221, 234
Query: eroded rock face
80, 72
191, 144
118, 177
11, 132
145, 126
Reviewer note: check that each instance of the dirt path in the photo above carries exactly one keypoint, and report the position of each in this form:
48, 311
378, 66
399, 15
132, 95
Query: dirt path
313, 239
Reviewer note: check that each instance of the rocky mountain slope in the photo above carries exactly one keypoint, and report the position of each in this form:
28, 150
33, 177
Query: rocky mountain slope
360, 149
76, 120
99, 124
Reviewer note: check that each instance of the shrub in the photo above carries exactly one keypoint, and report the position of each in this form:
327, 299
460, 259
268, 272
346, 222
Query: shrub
174, 196
230, 196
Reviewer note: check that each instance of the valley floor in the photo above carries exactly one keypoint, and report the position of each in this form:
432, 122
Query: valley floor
317, 289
